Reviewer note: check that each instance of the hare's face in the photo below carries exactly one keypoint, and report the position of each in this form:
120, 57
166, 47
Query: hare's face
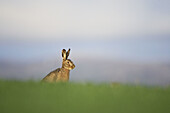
68, 64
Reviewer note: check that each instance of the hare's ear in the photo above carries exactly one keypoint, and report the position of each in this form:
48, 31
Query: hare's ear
68, 52
64, 54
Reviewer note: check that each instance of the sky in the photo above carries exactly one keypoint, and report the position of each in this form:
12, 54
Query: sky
125, 28
82, 19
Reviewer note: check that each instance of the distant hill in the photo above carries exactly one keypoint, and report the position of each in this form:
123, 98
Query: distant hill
96, 70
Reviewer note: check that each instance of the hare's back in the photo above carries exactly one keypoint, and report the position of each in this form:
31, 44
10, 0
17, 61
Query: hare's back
52, 76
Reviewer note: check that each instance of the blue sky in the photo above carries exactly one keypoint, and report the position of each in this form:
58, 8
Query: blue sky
39, 28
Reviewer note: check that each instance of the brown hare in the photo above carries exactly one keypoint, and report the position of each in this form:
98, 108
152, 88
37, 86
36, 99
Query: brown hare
61, 74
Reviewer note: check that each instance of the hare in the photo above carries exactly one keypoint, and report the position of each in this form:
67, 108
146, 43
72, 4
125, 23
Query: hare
61, 74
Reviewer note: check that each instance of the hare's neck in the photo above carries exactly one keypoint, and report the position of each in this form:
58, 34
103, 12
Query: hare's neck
65, 72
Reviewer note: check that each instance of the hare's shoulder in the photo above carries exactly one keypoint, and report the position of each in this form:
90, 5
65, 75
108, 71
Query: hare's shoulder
55, 71
52, 75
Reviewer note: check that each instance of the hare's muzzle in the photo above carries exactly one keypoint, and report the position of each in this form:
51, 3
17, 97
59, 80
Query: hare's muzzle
73, 66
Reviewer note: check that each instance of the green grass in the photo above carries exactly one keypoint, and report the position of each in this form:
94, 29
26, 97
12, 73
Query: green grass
37, 97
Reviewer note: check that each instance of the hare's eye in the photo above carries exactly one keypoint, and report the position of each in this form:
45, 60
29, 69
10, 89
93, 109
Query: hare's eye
67, 62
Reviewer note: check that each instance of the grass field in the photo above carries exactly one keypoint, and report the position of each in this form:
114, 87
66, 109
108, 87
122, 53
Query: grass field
37, 97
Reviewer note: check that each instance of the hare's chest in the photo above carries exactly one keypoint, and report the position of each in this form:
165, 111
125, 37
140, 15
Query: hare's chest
62, 76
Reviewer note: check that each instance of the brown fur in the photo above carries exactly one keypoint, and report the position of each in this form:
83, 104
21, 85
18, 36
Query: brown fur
61, 74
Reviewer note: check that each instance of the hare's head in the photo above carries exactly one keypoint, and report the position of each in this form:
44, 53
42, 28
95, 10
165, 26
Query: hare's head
67, 63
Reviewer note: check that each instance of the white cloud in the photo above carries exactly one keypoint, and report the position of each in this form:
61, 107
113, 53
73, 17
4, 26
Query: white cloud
82, 19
